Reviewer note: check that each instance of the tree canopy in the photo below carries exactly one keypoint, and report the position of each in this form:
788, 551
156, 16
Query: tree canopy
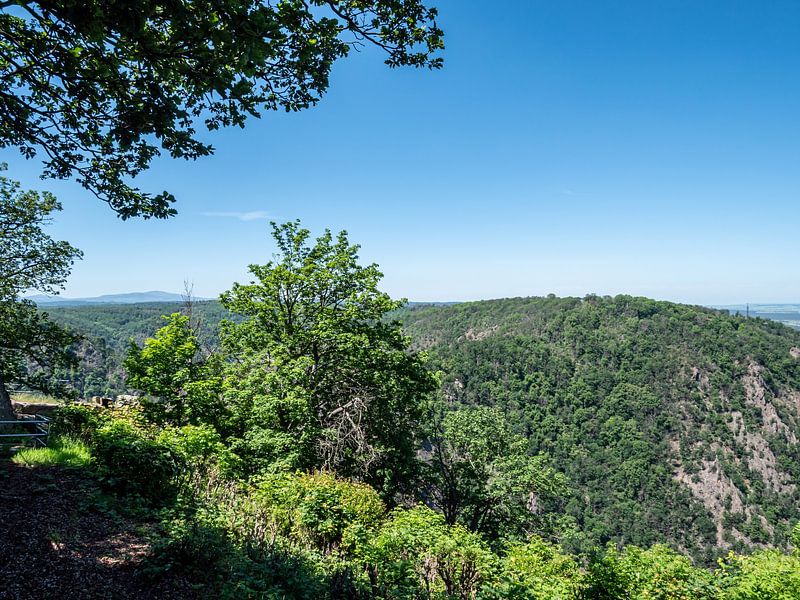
31, 345
318, 378
99, 89
29, 258
183, 382
483, 477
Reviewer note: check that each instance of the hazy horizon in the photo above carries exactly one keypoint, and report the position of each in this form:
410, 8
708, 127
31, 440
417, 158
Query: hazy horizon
177, 294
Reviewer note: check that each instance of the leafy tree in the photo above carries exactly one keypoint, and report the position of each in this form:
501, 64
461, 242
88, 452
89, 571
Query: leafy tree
29, 258
31, 345
31, 348
318, 379
483, 477
102, 88
184, 385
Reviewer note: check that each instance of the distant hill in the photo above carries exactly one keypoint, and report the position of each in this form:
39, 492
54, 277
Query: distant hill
674, 423
128, 298
109, 328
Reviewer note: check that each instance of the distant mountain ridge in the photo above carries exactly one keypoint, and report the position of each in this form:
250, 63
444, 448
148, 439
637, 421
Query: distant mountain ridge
126, 298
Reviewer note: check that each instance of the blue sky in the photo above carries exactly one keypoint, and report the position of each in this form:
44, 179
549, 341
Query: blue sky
650, 148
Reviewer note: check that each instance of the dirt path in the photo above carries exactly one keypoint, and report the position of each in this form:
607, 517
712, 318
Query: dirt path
55, 542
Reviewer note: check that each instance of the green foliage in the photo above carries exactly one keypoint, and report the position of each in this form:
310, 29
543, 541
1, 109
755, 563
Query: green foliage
658, 573
129, 462
61, 451
184, 386
199, 448
764, 575
29, 258
318, 380
77, 421
620, 393
320, 511
107, 333
537, 571
31, 345
483, 477
416, 554
197, 547
135, 79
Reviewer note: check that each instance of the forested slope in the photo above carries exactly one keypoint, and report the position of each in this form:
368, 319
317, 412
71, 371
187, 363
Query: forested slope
673, 422
108, 329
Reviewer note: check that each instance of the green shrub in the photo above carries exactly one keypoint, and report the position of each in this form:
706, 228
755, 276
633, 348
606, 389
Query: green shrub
200, 447
416, 554
763, 575
229, 545
194, 546
129, 462
77, 422
537, 571
319, 510
658, 573
62, 451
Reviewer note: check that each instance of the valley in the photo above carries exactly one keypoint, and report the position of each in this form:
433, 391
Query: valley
672, 423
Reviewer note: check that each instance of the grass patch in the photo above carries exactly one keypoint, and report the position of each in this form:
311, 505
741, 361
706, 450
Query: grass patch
34, 398
65, 452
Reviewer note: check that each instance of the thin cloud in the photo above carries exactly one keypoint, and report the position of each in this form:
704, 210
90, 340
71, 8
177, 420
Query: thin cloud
571, 192
252, 215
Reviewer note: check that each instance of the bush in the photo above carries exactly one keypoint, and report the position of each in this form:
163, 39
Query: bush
195, 546
319, 510
199, 447
658, 573
764, 575
77, 422
62, 451
129, 462
537, 570
417, 554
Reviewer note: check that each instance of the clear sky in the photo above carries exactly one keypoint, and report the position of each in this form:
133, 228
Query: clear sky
649, 148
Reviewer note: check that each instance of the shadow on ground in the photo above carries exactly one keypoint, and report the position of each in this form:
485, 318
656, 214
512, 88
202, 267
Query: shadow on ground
58, 541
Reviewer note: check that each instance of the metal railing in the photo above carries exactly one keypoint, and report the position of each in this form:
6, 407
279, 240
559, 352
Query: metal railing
37, 434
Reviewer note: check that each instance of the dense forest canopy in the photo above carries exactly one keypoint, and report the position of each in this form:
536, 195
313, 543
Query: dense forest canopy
672, 423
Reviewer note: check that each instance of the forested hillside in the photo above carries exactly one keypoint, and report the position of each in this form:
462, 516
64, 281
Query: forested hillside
107, 331
672, 422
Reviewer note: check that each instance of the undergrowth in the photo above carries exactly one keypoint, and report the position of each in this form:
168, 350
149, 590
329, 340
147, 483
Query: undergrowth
62, 451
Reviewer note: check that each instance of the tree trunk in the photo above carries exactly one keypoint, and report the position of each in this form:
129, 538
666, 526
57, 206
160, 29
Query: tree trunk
6, 410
